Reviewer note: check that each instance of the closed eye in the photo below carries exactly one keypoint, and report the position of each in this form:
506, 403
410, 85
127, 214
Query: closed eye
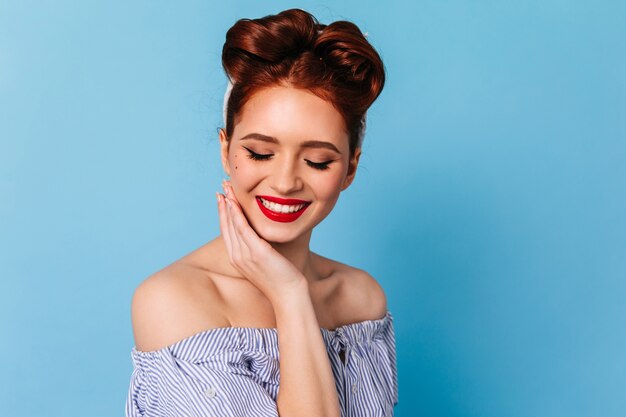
319, 165
263, 157
257, 156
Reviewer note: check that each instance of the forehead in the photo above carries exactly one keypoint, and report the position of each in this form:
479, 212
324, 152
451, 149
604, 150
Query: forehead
292, 114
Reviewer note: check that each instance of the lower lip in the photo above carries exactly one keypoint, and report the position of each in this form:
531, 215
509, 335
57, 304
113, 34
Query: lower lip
280, 217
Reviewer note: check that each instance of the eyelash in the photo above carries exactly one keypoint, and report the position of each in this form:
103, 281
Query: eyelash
264, 157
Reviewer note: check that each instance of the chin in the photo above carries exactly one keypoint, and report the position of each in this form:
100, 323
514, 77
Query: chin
275, 236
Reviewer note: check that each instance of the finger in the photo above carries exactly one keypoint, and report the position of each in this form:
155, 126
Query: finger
236, 212
235, 253
252, 245
232, 245
240, 220
247, 237
235, 239
228, 189
224, 228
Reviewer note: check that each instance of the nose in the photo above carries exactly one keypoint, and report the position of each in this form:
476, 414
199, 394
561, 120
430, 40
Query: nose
286, 179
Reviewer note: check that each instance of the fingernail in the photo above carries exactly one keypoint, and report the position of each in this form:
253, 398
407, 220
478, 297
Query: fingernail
217, 196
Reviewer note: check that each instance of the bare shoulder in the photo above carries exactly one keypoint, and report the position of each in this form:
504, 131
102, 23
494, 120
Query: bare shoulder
173, 303
359, 296
366, 293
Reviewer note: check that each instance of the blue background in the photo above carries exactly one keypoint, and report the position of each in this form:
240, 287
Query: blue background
489, 202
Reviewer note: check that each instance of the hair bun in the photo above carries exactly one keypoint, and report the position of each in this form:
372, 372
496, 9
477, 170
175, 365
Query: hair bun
343, 47
335, 62
255, 43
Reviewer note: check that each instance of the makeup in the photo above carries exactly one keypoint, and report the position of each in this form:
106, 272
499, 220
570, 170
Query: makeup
275, 205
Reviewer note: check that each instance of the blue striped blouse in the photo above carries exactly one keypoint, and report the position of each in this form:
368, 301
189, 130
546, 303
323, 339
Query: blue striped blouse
234, 371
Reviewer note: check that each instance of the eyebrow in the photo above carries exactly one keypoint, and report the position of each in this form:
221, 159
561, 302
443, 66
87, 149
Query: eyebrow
306, 144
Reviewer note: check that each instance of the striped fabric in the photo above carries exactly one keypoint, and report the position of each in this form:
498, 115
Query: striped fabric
234, 372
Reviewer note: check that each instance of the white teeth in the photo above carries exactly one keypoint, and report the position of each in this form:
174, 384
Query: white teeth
281, 208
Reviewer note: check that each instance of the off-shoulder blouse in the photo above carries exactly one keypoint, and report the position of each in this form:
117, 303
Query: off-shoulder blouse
234, 372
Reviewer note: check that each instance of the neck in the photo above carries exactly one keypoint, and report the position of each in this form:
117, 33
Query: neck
298, 253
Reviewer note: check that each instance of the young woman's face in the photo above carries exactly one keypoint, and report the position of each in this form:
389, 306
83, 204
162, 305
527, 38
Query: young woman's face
288, 144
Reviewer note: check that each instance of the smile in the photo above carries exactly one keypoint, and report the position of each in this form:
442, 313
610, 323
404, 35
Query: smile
282, 210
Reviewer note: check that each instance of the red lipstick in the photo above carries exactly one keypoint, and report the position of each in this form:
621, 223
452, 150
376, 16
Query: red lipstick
282, 217
286, 201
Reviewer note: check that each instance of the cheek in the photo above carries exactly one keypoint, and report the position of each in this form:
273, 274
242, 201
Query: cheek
327, 186
242, 169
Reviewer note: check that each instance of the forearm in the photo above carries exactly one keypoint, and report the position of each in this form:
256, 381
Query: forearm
307, 385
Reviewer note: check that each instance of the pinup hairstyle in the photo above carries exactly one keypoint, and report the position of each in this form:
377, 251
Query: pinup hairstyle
335, 62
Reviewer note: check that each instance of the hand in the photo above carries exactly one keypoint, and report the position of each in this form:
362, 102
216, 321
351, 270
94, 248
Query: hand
253, 256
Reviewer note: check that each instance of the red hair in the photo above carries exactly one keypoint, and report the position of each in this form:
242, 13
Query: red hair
334, 62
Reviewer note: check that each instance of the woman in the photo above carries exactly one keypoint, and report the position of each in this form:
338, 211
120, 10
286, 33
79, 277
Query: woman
209, 327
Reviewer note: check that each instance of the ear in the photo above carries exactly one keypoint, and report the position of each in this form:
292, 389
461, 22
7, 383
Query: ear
352, 165
224, 145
